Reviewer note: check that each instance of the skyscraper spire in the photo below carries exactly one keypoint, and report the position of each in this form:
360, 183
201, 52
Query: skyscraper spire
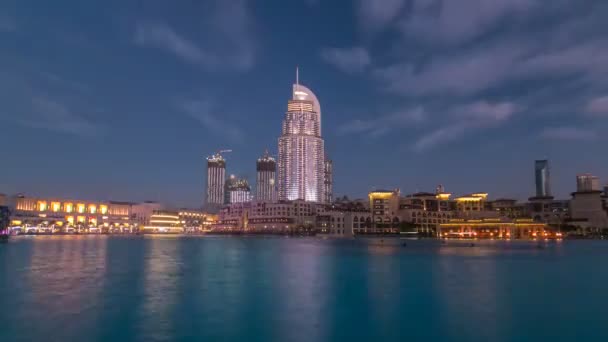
297, 75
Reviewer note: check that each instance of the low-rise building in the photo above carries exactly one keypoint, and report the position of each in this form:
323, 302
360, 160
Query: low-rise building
384, 207
48, 215
424, 211
164, 222
496, 228
588, 210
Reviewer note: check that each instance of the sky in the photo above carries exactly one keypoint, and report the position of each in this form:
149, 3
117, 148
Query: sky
124, 99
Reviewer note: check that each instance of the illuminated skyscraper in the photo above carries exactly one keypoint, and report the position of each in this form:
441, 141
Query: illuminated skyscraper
216, 178
301, 149
328, 181
266, 187
543, 179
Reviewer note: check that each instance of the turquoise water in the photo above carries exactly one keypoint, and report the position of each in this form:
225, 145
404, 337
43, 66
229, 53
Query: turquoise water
99, 288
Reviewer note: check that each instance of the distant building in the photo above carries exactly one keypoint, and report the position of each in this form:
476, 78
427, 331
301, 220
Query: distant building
384, 206
426, 211
216, 179
48, 215
543, 178
328, 181
196, 220
266, 185
4, 217
509, 208
587, 182
142, 212
588, 210
237, 190
496, 228
2, 199
471, 204
164, 222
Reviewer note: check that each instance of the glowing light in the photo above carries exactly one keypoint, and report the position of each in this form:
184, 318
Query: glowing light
103, 209
55, 206
42, 206
68, 207
80, 208
92, 209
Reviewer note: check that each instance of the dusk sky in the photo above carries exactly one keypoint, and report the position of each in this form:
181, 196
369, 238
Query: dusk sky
122, 100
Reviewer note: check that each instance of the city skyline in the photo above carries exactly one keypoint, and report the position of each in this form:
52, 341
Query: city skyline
147, 88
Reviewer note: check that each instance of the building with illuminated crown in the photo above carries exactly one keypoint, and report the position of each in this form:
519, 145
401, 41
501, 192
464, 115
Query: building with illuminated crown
266, 187
237, 190
328, 181
301, 148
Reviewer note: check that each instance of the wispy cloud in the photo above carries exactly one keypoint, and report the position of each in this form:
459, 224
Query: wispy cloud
207, 115
377, 15
226, 37
349, 60
569, 133
53, 115
164, 37
598, 106
384, 124
467, 118
447, 21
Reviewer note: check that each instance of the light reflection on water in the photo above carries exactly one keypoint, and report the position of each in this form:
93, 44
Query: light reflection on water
161, 288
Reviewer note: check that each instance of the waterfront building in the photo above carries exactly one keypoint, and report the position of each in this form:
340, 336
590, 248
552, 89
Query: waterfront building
384, 207
237, 190
425, 211
587, 182
496, 228
164, 222
266, 187
589, 210
141, 212
301, 148
216, 179
5, 214
548, 210
472, 204
2, 199
542, 178
328, 181
271, 217
48, 215
506, 207
195, 221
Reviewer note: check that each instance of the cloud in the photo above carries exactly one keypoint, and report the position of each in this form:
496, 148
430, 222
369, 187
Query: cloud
384, 124
569, 134
377, 15
164, 37
205, 113
467, 118
55, 116
598, 106
448, 21
349, 60
225, 39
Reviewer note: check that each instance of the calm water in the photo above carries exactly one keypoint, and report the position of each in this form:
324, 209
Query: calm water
101, 288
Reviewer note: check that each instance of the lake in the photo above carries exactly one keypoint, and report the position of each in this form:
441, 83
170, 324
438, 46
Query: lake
171, 288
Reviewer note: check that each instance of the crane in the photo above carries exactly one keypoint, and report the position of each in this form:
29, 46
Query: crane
218, 154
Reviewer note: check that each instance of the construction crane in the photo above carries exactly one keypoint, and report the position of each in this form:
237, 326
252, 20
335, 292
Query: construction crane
218, 154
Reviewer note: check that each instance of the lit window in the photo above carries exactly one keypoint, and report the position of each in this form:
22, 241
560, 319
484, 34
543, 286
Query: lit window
80, 208
42, 205
68, 207
55, 206
103, 209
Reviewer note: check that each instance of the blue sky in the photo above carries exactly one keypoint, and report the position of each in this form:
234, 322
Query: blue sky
122, 99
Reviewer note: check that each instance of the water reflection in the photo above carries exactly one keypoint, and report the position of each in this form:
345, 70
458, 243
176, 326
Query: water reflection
64, 282
465, 282
161, 278
302, 291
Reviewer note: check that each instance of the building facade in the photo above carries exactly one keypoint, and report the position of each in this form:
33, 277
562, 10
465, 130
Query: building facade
384, 210
216, 179
301, 149
50, 215
542, 178
237, 190
266, 184
587, 182
328, 181
424, 212
164, 222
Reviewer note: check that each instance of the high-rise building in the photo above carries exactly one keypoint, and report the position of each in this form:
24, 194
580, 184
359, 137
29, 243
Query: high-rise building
301, 148
216, 179
542, 177
587, 183
328, 181
266, 187
237, 190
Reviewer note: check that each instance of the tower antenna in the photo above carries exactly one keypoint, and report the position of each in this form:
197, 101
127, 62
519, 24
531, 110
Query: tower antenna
297, 75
